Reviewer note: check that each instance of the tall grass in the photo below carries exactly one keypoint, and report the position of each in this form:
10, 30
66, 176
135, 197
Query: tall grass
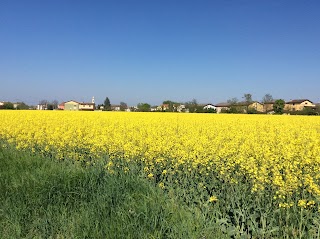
42, 198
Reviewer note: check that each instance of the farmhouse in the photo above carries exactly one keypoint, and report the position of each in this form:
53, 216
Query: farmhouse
255, 105
75, 105
222, 107
268, 107
115, 107
298, 105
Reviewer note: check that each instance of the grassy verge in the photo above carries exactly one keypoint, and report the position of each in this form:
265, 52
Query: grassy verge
42, 198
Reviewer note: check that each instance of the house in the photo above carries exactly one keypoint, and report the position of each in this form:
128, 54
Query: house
255, 105
154, 108
61, 106
268, 107
42, 107
115, 107
243, 107
298, 105
75, 105
163, 107
71, 105
209, 107
221, 107
181, 108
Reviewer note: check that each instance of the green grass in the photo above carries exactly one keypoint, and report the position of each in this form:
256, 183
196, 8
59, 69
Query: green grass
45, 198
42, 198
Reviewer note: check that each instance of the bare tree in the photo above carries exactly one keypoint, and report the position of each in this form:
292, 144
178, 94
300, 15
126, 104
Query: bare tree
267, 98
43, 102
247, 97
233, 101
55, 104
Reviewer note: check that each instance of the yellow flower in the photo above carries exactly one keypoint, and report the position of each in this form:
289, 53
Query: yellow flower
161, 185
213, 199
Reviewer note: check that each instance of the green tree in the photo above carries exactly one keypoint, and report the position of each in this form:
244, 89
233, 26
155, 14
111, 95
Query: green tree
192, 105
107, 104
123, 106
50, 106
234, 107
143, 107
278, 106
22, 106
8, 106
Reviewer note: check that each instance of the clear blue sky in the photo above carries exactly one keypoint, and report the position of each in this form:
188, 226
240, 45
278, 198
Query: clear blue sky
153, 50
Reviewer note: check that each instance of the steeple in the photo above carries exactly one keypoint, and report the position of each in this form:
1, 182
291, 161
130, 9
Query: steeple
93, 99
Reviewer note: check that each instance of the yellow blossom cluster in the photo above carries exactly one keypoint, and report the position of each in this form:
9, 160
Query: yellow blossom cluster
282, 152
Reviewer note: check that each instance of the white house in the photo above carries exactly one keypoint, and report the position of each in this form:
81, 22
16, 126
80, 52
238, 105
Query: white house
181, 108
41, 107
209, 106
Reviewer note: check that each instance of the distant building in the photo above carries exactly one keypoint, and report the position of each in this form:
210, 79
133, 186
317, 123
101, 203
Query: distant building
209, 107
268, 107
298, 105
42, 107
73, 105
222, 107
115, 107
254, 105
61, 106
181, 108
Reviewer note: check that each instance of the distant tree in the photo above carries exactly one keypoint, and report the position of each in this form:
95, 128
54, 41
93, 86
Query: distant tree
317, 109
247, 98
210, 110
123, 106
143, 107
43, 102
233, 101
107, 104
278, 106
22, 106
234, 107
8, 106
267, 98
55, 104
50, 106
192, 105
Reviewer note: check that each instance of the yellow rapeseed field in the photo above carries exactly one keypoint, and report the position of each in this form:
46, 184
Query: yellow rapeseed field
278, 152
